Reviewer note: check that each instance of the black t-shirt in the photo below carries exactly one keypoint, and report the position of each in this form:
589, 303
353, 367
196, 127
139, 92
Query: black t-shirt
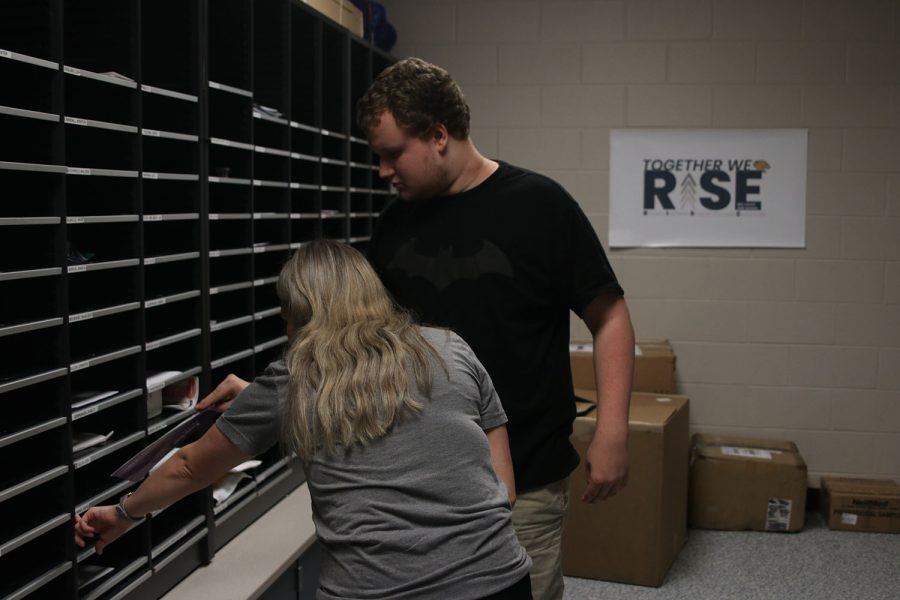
502, 265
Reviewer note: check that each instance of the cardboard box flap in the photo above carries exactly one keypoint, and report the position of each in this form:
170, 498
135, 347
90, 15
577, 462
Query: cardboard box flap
862, 487
586, 395
654, 367
647, 412
653, 411
702, 439
584, 407
653, 349
739, 448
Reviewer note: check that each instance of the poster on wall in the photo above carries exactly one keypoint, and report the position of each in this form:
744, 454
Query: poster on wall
707, 188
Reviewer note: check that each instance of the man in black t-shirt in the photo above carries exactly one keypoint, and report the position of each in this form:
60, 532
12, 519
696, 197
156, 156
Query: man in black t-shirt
501, 255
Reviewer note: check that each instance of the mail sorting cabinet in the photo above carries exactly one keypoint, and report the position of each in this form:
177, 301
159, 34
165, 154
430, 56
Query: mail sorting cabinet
118, 146
305, 133
230, 185
174, 241
368, 194
272, 178
160, 162
250, 237
334, 135
35, 436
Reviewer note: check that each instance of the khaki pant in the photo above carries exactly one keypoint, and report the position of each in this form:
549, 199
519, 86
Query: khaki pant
538, 517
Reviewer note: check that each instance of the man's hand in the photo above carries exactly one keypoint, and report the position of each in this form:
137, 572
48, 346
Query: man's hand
224, 394
606, 469
101, 523
606, 461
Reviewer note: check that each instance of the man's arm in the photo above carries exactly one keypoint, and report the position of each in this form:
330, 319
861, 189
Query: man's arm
606, 463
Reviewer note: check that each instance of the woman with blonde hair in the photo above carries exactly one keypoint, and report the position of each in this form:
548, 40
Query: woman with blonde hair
401, 434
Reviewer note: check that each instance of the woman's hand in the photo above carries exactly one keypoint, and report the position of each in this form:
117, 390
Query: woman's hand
224, 394
101, 523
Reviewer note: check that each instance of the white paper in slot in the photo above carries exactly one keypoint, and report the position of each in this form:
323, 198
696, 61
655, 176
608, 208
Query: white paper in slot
181, 395
155, 380
85, 398
227, 486
84, 440
246, 466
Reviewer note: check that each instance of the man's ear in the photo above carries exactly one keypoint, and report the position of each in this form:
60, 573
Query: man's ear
439, 136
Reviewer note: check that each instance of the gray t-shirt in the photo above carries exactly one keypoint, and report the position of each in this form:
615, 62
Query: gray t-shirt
418, 513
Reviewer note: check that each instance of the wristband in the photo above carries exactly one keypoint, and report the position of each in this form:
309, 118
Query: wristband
123, 514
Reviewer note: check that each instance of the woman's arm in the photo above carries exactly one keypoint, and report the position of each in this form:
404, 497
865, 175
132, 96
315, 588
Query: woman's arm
498, 440
190, 469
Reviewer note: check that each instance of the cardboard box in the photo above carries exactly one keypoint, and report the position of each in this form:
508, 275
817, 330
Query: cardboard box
342, 12
744, 483
861, 504
654, 367
634, 536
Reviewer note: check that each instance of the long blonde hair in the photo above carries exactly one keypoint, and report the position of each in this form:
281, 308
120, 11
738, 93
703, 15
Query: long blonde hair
351, 354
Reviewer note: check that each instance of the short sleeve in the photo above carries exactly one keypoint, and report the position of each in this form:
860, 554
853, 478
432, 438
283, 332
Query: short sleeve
490, 410
492, 413
252, 422
590, 272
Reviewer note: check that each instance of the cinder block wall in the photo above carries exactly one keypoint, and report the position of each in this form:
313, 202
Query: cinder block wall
795, 344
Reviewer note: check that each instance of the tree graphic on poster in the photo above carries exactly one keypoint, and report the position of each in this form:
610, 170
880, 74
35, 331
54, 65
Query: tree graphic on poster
689, 192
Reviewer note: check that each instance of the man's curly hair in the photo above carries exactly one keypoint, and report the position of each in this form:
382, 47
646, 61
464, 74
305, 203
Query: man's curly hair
419, 95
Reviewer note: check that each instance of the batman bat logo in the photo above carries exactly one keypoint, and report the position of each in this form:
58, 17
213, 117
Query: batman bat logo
453, 262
